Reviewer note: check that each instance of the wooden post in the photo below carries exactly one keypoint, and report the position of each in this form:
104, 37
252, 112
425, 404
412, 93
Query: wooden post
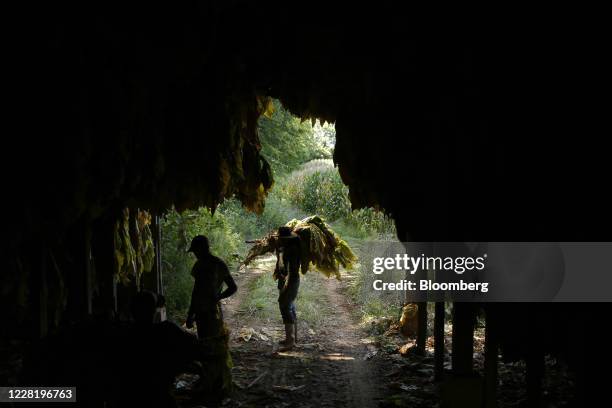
535, 373
79, 269
422, 307
421, 328
439, 341
490, 363
103, 250
88, 281
41, 294
463, 338
157, 236
439, 318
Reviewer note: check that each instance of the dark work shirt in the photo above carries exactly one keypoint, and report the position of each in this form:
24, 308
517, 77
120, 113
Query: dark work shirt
209, 273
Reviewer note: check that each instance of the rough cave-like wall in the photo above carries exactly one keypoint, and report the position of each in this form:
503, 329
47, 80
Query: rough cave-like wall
157, 106
451, 126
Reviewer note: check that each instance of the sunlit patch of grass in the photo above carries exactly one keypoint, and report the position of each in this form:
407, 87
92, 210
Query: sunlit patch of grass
312, 302
376, 308
261, 298
372, 305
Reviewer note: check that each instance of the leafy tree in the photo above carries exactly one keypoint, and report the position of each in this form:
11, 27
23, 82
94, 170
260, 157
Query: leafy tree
288, 142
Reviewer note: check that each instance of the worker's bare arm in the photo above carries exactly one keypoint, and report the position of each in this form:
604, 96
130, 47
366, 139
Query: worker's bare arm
231, 286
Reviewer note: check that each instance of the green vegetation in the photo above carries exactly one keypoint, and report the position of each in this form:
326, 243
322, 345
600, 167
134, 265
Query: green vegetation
287, 142
373, 305
316, 188
307, 183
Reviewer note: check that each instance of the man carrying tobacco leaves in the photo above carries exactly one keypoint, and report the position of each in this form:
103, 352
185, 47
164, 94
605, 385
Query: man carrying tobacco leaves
288, 276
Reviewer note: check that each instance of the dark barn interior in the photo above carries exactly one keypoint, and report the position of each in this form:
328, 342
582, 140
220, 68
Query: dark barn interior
463, 129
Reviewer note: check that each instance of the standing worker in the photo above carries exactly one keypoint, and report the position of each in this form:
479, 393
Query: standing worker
287, 273
210, 273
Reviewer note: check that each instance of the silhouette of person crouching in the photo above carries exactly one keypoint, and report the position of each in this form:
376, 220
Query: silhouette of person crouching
150, 358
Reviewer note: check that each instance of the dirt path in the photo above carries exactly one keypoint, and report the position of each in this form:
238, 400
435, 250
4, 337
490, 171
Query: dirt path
328, 368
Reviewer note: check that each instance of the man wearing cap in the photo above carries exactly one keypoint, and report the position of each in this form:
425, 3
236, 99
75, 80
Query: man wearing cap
287, 273
210, 273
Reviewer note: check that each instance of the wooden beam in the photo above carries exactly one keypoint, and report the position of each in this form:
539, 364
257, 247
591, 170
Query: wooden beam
439, 341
